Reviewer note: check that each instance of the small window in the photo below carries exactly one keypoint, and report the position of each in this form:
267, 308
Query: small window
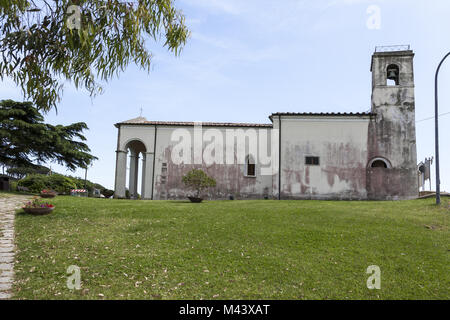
312, 161
164, 168
250, 167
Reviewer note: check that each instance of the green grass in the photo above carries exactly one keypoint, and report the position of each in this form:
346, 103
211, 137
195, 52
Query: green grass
9, 194
234, 250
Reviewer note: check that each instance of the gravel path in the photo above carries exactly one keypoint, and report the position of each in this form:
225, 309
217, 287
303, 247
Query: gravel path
8, 206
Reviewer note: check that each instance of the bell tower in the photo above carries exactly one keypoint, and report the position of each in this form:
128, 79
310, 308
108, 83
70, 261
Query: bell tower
392, 155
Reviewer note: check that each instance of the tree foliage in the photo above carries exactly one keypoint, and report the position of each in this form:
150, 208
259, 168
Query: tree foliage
86, 184
20, 172
25, 139
198, 180
60, 183
43, 43
107, 193
57, 182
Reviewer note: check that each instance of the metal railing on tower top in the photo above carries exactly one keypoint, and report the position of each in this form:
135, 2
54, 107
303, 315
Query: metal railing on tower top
405, 47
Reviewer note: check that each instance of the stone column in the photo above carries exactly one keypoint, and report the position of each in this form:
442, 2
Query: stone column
147, 181
144, 158
134, 168
121, 173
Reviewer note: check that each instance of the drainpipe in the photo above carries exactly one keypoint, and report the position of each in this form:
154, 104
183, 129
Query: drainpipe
154, 157
279, 157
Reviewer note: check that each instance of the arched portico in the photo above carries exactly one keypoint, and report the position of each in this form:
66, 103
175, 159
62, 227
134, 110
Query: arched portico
136, 149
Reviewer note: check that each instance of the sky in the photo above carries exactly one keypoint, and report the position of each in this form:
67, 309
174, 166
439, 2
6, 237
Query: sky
247, 59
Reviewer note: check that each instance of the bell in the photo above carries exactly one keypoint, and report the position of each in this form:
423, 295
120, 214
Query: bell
392, 75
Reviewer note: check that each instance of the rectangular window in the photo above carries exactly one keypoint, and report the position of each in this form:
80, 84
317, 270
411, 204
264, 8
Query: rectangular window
312, 161
251, 170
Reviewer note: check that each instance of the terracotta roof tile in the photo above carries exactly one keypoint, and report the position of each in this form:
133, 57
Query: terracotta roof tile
143, 121
323, 114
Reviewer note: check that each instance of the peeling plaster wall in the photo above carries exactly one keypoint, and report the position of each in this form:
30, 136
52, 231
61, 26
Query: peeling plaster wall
231, 179
341, 144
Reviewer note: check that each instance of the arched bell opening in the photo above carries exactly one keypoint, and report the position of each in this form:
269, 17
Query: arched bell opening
393, 75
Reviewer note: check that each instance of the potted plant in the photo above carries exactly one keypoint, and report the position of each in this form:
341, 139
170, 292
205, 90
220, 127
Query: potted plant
48, 193
198, 180
37, 207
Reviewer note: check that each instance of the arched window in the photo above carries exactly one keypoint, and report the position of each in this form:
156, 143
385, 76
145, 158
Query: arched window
250, 167
393, 75
380, 163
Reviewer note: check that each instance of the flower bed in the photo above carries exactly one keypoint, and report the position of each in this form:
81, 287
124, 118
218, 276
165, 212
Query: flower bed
38, 207
48, 193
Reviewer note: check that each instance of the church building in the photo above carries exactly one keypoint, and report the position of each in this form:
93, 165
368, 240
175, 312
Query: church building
348, 156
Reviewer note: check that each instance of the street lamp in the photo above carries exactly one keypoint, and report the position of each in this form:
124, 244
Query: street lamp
436, 120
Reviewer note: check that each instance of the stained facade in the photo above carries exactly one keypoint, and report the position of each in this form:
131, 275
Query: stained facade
356, 156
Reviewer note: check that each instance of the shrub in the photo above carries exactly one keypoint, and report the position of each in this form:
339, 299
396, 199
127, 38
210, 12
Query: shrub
61, 184
34, 182
13, 185
107, 193
81, 184
198, 180
88, 185
38, 182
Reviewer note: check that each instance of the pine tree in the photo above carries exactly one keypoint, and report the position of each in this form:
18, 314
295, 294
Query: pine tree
25, 140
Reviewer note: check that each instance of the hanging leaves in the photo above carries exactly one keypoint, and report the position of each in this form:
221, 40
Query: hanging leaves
43, 44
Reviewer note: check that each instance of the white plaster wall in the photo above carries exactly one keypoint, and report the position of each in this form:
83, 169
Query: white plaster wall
341, 144
143, 133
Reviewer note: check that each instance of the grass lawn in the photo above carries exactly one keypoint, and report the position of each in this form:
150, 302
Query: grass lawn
10, 194
234, 250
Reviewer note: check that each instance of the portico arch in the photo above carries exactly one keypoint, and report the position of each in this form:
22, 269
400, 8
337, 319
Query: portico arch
128, 156
136, 149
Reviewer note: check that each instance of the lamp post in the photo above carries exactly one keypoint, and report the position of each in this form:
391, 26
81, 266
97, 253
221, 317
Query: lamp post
85, 180
436, 120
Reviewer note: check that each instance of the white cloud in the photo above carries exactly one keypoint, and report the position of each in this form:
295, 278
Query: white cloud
9, 90
210, 40
335, 3
225, 6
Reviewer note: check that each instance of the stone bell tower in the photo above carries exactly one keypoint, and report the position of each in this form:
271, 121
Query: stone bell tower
392, 155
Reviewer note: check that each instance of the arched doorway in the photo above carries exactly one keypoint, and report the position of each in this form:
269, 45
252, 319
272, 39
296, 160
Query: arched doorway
378, 176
